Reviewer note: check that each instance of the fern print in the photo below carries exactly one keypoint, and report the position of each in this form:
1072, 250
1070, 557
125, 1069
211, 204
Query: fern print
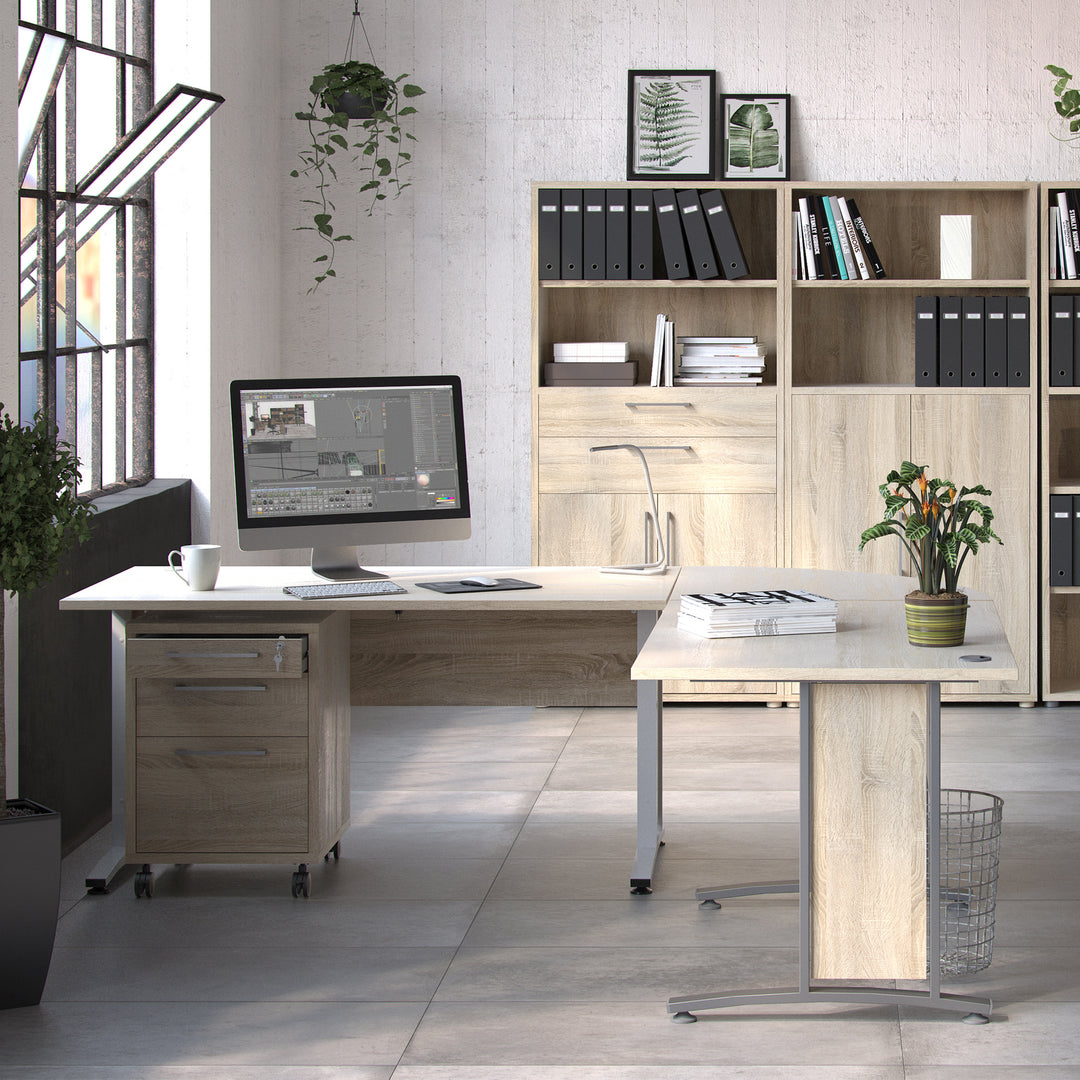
668, 128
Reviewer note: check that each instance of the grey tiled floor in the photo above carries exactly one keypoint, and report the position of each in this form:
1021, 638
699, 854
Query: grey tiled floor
479, 926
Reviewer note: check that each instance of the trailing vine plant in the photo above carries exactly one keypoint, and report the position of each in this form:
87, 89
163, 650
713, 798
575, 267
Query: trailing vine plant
359, 91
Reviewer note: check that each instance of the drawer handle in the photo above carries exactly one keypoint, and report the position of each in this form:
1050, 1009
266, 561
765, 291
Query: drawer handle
221, 753
631, 446
659, 404
216, 689
213, 655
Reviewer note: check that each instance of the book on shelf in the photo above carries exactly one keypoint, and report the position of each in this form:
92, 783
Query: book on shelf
765, 613
1065, 235
832, 241
663, 361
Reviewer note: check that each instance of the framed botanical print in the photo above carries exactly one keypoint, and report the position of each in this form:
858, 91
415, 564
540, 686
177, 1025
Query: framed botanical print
671, 125
755, 132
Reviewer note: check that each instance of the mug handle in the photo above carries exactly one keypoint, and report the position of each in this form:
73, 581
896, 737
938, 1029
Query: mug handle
175, 569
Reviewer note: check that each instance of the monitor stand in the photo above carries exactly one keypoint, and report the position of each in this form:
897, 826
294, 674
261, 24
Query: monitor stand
340, 564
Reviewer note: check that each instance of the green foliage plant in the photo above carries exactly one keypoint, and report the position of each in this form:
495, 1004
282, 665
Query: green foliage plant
378, 142
41, 518
1067, 106
667, 125
938, 523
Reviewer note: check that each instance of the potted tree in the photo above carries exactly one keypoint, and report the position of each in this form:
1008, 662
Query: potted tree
41, 517
940, 525
363, 93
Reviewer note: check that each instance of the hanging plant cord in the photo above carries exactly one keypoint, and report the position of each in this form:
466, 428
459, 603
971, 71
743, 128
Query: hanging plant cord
357, 17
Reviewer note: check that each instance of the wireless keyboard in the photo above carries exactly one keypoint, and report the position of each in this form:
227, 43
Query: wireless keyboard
334, 590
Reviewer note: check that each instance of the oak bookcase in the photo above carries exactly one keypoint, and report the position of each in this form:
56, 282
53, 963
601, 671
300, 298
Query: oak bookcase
786, 473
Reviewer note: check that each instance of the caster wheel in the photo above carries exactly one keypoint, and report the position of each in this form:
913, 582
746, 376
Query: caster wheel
335, 851
301, 881
144, 882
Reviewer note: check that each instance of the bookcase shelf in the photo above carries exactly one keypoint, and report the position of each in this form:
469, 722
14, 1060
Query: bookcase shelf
787, 473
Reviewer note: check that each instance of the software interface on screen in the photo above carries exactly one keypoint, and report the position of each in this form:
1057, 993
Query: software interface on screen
349, 450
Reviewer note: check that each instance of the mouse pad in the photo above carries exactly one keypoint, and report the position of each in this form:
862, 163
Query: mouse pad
456, 586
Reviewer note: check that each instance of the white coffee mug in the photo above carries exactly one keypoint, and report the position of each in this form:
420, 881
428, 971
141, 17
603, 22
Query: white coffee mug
199, 565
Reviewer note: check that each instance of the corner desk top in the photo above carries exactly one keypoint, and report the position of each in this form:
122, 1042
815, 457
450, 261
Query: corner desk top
259, 588
870, 643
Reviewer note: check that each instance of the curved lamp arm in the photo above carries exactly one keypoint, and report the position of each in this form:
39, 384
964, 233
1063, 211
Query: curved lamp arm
660, 565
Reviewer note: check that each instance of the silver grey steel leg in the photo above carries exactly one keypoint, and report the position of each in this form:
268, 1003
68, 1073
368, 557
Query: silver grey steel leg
977, 1009
113, 860
650, 769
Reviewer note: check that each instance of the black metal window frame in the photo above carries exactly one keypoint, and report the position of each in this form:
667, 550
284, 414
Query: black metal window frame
52, 367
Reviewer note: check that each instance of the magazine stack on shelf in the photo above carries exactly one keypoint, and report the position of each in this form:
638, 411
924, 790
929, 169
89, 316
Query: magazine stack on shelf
756, 614
832, 241
706, 361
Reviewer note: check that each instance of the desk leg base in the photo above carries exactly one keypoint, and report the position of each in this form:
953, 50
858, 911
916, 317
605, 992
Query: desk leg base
107, 867
977, 1009
751, 888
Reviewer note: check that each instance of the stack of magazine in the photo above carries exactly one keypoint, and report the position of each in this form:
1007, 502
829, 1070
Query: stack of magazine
757, 614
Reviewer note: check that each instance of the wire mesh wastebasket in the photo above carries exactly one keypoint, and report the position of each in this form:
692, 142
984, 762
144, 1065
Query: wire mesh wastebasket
970, 847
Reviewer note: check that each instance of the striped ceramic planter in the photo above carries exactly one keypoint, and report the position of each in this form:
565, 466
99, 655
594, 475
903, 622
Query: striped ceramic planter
935, 620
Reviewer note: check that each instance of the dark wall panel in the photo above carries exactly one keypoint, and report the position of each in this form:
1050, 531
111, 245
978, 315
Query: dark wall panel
65, 659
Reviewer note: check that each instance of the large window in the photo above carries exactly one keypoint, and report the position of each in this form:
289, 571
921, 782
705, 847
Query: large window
86, 227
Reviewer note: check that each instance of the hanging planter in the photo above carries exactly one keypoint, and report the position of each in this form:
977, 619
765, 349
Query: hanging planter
363, 93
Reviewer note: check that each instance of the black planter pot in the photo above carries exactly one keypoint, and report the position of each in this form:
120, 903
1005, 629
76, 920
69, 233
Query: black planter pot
29, 903
359, 106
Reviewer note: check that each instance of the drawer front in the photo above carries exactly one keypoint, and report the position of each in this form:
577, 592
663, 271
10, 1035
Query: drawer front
707, 465
259, 707
633, 413
221, 795
214, 657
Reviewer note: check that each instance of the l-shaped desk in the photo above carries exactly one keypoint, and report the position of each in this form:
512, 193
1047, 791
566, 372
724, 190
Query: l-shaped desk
869, 743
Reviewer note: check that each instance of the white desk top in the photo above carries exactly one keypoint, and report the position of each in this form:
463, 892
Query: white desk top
258, 588
870, 644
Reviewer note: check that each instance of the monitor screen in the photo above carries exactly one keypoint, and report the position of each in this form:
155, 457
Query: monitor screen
336, 464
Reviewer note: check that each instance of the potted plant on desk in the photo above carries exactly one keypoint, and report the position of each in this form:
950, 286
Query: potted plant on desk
940, 525
41, 517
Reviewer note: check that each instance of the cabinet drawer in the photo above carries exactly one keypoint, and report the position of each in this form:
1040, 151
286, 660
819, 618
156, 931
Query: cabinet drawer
708, 465
633, 413
260, 707
221, 795
214, 657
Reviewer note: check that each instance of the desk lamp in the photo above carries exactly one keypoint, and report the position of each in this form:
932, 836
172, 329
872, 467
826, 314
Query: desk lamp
660, 565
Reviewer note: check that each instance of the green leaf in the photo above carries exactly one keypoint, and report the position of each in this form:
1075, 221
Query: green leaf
340, 140
753, 139
411, 91
1059, 71
322, 258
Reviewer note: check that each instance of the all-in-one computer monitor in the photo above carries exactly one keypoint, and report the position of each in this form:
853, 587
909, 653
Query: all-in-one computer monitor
337, 464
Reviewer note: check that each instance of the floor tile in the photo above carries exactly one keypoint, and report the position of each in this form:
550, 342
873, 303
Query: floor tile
382, 807
609, 879
767, 922
466, 720
656, 1072
1024, 1034
635, 1035
611, 974
181, 1033
679, 806
198, 974
176, 922
450, 748
449, 776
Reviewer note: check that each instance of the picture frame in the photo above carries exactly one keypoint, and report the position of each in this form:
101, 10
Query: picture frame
755, 136
671, 125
